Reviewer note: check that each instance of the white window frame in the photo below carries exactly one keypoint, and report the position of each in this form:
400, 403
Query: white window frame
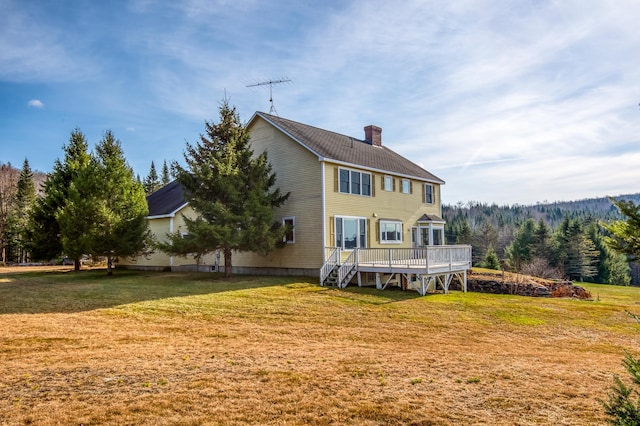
361, 226
431, 199
388, 183
408, 186
350, 182
293, 231
383, 231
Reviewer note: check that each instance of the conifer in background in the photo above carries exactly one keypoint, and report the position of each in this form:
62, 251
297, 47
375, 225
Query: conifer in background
46, 240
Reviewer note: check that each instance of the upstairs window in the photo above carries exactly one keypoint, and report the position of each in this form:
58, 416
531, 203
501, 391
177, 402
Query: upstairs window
428, 193
406, 186
354, 182
388, 183
390, 231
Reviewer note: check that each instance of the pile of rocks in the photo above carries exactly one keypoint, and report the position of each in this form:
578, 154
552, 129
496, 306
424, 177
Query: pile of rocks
521, 285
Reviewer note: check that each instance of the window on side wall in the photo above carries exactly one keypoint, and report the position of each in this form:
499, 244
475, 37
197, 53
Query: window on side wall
390, 232
388, 183
290, 236
351, 232
406, 186
354, 182
428, 193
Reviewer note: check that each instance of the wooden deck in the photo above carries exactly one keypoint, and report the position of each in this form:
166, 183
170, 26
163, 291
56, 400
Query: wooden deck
423, 269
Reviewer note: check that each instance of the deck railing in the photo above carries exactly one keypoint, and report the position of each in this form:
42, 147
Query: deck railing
458, 256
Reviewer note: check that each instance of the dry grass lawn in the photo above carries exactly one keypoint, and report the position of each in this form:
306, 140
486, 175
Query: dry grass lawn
192, 349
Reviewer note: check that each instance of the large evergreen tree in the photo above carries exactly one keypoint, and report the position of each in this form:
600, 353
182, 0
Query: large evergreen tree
46, 238
575, 253
117, 202
231, 192
8, 189
24, 200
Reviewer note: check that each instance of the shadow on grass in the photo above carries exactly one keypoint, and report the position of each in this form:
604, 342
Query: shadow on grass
68, 292
371, 295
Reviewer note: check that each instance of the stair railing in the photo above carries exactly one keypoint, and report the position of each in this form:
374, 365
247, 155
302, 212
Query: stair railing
332, 260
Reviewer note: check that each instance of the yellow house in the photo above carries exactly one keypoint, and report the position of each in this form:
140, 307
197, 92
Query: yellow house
349, 198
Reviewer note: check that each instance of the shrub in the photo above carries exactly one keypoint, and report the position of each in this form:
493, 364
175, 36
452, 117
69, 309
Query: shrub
623, 406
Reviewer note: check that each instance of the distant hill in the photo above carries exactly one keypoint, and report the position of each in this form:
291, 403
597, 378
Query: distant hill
507, 219
553, 213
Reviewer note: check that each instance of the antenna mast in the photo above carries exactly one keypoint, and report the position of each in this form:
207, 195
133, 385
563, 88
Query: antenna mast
272, 110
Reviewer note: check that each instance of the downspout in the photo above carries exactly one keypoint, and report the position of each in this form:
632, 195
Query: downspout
324, 211
171, 232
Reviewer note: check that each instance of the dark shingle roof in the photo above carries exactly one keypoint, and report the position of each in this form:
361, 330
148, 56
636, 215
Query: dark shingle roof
346, 149
166, 200
430, 218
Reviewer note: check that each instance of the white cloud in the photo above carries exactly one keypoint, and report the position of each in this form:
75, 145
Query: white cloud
35, 103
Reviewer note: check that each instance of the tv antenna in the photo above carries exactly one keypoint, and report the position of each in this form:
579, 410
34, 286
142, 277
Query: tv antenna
272, 110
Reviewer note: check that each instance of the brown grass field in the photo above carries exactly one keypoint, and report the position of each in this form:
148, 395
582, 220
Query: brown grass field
192, 349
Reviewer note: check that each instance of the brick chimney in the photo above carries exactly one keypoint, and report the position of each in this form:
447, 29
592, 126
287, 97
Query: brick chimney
373, 135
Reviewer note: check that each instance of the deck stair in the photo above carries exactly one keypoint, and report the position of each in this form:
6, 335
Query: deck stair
421, 269
332, 279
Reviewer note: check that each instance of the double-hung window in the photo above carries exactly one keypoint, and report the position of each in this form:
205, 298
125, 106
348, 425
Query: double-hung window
351, 232
388, 183
390, 231
428, 193
290, 236
354, 182
406, 186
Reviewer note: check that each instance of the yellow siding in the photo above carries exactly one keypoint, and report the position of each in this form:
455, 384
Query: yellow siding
395, 205
298, 172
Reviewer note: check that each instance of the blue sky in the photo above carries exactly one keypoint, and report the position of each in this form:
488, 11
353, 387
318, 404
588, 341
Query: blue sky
507, 101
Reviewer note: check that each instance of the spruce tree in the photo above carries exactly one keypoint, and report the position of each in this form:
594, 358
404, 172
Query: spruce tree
46, 238
25, 198
542, 241
151, 182
118, 205
231, 192
519, 252
165, 177
490, 260
625, 234
8, 188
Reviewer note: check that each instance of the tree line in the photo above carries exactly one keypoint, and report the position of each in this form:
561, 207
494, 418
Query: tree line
91, 204
569, 243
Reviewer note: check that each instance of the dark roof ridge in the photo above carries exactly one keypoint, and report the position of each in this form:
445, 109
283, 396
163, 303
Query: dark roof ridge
340, 148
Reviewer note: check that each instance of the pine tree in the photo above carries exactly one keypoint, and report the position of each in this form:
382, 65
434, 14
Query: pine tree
623, 406
151, 182
464, 235
490, 260
45, 236
519, 252
542, 241
231, 193
8, 188
25, 198
625, 234
118, 204
165, 176
486, 236
574, 251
